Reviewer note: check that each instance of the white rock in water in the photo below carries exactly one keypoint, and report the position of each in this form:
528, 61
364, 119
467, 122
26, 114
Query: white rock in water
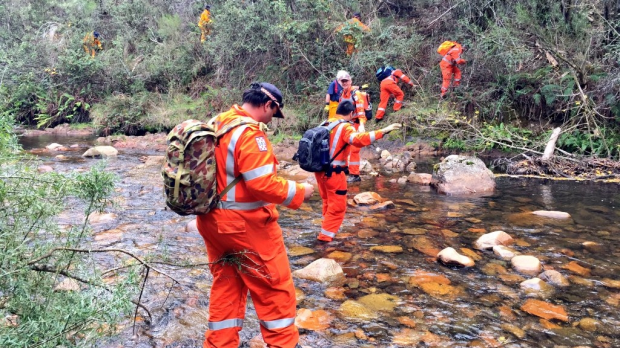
449, 256
535, 287
100, 151
489, 240
554, 278
526, 264
53, 146
504, 253
322, 270
552, 214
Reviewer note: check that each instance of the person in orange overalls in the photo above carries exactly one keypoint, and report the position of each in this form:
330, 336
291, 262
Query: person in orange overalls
204, 23
91, 43
449, 68
389, 87
352, 27
363, 111
243, 239
333, 183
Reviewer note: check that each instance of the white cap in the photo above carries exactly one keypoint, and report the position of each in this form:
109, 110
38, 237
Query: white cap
343, 75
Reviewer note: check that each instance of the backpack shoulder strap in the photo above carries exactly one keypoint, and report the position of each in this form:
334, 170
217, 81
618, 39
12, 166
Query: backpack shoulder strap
333, 125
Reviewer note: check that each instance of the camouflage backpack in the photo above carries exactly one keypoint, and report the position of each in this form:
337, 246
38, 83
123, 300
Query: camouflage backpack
189, 171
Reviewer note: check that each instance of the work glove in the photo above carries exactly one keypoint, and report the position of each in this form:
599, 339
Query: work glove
326, 108
364, 86
393, 126
361, 128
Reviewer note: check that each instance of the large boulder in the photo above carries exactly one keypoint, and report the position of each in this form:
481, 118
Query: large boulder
460, 175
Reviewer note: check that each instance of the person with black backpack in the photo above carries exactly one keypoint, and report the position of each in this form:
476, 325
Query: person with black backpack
332, 180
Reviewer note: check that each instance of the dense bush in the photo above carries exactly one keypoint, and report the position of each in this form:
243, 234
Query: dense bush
527, 60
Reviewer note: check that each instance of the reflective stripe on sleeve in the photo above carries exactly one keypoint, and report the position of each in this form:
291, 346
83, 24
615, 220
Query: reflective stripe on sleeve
292, 190
225, 324
258, 172
354, 163
373, 136
381, 109
241, 205
277, 324
230, 161
327, 233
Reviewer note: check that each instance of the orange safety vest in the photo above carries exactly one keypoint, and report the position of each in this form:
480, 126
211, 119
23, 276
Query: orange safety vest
360, 100
453, 56
345, 134
246, 151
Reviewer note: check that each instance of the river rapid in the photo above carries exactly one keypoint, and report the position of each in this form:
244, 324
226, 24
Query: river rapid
385, 299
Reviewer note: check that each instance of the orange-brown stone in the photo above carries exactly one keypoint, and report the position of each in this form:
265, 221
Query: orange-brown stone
545, 310
315, 321
406, 321
574, 267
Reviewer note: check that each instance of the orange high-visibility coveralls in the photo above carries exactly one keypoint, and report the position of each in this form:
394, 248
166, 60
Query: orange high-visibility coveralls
204, 23
362, 105
389, 87
90, 44
449, 68
333, 189
350, 40
245, 223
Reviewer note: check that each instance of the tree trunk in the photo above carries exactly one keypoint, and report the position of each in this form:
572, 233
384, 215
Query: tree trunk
551, 144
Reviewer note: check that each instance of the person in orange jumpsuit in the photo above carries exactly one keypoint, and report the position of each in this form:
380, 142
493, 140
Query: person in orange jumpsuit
350, 29
204, 23
333, 184
243, 239
449, 68
363, 111
91, 43
389, 87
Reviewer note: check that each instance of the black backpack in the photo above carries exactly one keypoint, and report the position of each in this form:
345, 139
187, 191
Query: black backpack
309, 154
384, 72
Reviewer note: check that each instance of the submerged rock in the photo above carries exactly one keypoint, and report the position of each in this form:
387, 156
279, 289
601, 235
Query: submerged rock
552, 214
357, 312
316, 321
420, 178
535, 287
545, 310
458, 175
554, 278
379, 302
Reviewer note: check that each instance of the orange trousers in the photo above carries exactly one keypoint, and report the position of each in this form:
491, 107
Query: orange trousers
354, 156
448, 71
389, 88
333, 191
258, 265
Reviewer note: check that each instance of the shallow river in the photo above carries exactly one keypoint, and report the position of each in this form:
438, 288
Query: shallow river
471, 307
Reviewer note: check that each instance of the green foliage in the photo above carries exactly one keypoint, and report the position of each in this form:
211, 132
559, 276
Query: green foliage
34, 261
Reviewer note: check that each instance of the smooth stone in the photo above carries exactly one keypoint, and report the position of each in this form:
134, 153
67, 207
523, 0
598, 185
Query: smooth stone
451, 257
552, 214
504, 253
322, 271
554, 278
489, 240
526, 264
